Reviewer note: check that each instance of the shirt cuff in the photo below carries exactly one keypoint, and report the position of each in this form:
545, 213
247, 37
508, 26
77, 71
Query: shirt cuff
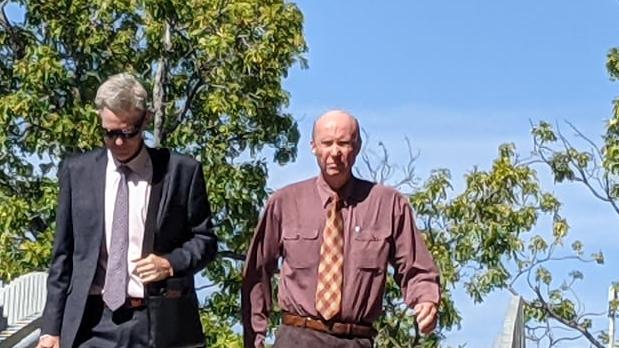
423, 292
45, 336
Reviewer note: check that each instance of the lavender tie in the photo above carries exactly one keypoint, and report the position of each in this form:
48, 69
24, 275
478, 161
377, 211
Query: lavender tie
116, 275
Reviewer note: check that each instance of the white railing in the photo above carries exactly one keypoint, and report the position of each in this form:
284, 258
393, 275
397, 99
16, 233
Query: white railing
23, 297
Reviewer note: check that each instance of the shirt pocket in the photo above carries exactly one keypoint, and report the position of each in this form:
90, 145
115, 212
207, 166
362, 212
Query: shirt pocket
301, 247
370, 249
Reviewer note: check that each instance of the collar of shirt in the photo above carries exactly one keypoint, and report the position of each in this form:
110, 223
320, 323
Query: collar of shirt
141, 164
348, 193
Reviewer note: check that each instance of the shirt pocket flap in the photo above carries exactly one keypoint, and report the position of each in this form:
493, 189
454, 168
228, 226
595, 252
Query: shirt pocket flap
370, 247
302, 249
299, 233
372, 234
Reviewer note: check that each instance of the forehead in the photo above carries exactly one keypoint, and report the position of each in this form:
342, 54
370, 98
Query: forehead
335, 128
119, 119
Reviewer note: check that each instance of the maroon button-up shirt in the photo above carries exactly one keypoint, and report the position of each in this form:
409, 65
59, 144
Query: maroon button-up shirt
378, 228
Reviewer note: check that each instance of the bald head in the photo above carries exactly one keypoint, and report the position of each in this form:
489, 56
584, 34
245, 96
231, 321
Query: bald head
336, 141
340, 119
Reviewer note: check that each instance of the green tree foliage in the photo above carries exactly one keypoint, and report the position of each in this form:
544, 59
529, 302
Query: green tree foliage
489, 237
215, 70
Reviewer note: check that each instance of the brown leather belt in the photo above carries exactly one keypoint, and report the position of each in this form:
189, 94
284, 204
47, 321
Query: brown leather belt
130, 302
336, 329
135, 302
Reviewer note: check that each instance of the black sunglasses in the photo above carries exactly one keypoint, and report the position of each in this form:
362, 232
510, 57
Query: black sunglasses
120, 133
129, 133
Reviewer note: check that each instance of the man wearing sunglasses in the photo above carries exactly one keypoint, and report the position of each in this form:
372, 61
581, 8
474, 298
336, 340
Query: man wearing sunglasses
133, 226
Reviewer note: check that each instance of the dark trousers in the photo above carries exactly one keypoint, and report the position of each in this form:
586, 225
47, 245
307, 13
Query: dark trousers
296, 337
102, 328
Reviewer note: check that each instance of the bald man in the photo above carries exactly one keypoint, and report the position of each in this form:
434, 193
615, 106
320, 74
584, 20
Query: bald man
335, 234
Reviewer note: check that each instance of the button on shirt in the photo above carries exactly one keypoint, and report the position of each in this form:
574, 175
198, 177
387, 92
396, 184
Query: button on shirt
139, 182
379, 228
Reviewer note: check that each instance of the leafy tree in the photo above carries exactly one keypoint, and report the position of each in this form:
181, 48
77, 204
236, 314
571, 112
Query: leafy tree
487, 238
595, 167
570, 159
215, 70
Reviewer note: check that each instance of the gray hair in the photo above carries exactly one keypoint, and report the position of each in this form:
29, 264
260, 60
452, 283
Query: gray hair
121, 93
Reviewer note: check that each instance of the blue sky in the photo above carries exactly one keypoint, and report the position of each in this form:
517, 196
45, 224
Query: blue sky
459, 78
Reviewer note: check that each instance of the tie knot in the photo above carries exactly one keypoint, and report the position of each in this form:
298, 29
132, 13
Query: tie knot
336, 201
123, 169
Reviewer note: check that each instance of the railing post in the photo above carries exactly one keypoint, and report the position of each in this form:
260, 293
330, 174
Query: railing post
3, 322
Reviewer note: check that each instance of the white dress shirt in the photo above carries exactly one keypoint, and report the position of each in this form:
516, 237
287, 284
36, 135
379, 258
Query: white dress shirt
139, 182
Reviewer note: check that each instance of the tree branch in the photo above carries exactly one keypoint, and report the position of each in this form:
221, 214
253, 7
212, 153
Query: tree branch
159, 94
4, 21
203, 287
194, 85
232, 255
569, 323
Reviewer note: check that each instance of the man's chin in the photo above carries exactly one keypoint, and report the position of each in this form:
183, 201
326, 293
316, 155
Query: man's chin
122, 157
125, 156
335, 174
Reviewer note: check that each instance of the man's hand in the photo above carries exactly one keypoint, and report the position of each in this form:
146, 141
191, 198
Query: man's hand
426, 316
48, 341
259, 342
153, 268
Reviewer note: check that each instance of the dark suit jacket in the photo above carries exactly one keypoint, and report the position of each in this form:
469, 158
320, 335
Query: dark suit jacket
177, 227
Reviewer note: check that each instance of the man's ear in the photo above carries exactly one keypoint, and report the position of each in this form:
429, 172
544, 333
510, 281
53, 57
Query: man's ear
313, 147
358, 146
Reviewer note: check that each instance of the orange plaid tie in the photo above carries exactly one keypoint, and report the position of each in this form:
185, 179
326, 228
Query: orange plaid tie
329, 288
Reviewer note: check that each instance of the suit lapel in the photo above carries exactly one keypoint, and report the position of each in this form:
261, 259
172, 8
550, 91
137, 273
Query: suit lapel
159, 159
97, 178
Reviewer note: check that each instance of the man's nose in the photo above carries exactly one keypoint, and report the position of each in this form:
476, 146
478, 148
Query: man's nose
335, 150
118, 141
